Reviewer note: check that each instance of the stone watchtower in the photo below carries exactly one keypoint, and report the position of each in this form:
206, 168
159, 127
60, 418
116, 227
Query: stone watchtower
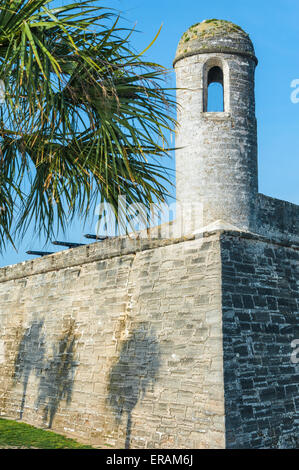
216, 160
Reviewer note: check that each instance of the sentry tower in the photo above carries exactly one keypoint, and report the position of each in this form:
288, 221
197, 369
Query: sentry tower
216, 160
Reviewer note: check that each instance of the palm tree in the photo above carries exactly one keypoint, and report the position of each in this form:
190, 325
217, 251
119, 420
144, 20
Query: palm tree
84, 116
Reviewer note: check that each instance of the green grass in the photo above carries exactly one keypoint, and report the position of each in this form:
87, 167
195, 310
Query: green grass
17, 434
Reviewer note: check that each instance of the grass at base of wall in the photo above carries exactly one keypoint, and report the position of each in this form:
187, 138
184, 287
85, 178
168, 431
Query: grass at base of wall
16, 434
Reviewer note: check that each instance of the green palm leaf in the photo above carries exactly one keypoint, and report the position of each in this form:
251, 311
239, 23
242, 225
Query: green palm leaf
85, 117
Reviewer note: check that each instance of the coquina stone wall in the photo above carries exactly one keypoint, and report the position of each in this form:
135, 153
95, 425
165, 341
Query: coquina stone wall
117, 344
174, 343
278, 219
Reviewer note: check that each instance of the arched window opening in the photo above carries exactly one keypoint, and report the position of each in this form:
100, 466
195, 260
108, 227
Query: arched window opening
215, 101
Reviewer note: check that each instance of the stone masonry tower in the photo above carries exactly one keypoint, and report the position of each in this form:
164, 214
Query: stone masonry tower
217, 151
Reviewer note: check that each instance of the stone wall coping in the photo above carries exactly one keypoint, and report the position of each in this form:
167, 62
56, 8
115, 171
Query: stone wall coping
114, 248
98, 251
256, 236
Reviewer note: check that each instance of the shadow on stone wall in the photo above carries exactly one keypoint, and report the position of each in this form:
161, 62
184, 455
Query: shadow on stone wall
57, 377
56, 374
30, 357
134, 372
10, 347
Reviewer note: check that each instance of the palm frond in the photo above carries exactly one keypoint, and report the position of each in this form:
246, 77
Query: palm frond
85, 117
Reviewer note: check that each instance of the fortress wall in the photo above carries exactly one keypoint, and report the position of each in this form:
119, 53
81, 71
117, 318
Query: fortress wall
278, 218
260, 321
117, 343
216, 154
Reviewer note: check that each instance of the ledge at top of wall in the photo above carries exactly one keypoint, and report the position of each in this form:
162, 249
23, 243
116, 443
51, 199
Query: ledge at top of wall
116, 247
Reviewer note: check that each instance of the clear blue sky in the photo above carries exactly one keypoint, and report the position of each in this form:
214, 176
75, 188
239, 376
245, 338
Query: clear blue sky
273, 28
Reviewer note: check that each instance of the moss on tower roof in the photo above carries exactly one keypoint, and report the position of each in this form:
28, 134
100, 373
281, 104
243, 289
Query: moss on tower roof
211, 28
213, 35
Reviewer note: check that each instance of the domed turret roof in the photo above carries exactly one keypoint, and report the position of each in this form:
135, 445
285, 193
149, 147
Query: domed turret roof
215, 36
